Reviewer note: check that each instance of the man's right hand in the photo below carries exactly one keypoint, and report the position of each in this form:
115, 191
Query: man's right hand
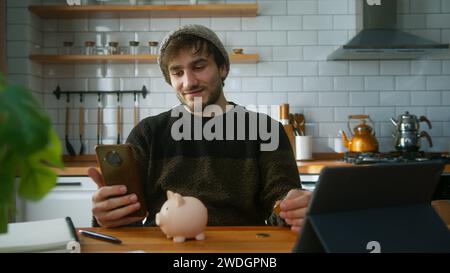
110, 206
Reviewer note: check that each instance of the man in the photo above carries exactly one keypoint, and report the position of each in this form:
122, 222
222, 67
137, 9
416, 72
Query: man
237, 180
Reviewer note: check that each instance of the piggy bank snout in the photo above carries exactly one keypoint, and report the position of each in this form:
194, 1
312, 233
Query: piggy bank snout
158, 219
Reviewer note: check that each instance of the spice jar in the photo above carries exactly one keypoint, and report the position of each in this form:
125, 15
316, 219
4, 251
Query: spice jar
134, 47
100, 50
153, 47
67, 48
89, 48
113, 48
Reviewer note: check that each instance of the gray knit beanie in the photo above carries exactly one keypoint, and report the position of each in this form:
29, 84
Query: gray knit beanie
195, 30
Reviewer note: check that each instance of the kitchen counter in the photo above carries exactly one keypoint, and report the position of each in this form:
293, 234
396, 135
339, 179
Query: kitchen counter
315, 166
78, 165
322, 160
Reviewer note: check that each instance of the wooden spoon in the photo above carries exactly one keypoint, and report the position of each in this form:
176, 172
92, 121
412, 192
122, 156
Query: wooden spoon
300, 120
294, 124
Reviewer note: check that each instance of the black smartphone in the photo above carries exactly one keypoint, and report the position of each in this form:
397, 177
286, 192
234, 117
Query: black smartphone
119, 167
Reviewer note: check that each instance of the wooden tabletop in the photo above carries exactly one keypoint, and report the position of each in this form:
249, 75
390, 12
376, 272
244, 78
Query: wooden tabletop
257, 239
230, 239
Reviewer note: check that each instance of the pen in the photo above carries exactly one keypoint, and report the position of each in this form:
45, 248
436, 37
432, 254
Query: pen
100, 236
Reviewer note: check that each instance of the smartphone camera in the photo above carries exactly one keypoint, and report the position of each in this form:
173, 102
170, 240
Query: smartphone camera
113, 158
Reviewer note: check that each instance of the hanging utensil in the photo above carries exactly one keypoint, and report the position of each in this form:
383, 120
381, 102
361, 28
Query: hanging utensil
81, 124
136, 110
69, 146
99, 119
119, 118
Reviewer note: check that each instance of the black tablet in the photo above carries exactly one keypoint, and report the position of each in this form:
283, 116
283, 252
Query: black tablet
375, 208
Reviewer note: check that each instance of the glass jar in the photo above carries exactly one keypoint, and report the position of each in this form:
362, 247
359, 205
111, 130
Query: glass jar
124, 50
101, 50
102, 2
67, 48
153, 47
134, 47
113, 48
89, 48
137, 2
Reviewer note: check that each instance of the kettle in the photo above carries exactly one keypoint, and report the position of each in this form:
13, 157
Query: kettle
407, 122
407, 136
363, 139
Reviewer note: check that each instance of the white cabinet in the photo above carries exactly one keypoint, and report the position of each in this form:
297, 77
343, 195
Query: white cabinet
309, 181
71, 196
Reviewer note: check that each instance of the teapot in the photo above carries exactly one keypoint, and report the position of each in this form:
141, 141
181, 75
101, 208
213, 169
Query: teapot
407, 136
409, 141
363, 139
407, 122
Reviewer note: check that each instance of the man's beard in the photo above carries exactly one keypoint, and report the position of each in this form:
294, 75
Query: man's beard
211, 99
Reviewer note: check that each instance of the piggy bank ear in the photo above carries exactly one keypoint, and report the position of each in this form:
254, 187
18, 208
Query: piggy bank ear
179, 200
169, 194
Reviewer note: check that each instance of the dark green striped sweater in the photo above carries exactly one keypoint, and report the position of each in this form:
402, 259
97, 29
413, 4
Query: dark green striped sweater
237, 182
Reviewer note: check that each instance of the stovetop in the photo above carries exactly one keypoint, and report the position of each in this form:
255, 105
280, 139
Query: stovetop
393, 157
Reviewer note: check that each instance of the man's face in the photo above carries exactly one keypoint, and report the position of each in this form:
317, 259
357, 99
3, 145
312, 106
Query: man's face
196, 76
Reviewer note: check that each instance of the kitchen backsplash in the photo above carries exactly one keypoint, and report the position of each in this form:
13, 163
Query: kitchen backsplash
293, 39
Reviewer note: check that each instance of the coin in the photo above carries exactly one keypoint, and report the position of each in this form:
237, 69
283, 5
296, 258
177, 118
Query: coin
277, 208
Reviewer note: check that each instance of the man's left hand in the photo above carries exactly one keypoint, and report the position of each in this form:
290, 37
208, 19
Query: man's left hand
293, 208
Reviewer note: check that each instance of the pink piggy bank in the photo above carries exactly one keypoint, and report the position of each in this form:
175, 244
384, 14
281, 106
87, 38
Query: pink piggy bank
182, 217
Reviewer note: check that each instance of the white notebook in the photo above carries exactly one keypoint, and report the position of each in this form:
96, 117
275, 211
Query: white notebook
55, 235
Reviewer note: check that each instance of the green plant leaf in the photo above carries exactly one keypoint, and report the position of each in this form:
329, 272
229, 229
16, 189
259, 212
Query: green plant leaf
36, 179
23, 125
28, 144
3, 218
51, 154
7, 173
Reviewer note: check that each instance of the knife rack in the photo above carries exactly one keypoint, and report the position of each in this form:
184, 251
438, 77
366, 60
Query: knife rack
58, 92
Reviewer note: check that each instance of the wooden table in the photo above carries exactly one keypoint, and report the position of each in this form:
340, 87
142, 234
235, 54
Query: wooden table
245, 239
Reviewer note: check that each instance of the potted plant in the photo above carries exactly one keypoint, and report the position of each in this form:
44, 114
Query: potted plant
29, 148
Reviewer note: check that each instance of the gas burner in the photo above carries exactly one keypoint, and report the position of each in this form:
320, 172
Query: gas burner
393, 157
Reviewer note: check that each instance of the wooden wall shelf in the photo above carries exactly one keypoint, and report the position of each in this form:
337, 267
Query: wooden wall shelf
144, 11
144, 58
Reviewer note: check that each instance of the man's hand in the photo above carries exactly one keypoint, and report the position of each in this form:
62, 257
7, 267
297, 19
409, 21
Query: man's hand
110, 206
293, 208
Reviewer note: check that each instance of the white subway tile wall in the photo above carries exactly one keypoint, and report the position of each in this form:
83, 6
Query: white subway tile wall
293, 38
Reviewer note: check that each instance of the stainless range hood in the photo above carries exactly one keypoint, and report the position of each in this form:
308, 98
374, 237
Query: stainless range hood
379, 38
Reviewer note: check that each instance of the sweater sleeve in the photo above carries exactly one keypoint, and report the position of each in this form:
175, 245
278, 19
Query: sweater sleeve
279, 174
